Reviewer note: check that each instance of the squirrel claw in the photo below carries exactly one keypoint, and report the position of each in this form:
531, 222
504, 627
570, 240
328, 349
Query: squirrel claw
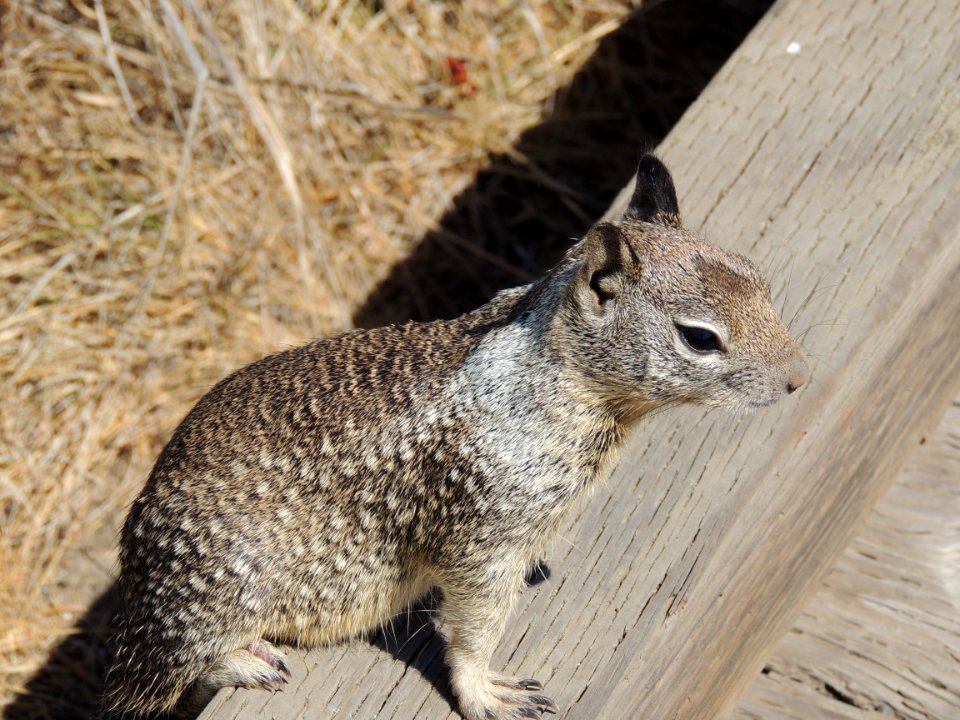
527, 684
266, 678
544, 703
517, 705
270, 655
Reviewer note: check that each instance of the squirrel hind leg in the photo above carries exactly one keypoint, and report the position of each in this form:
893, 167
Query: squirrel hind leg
258, 665
270, 655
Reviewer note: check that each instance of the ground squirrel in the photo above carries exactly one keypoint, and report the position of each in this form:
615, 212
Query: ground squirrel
316, 493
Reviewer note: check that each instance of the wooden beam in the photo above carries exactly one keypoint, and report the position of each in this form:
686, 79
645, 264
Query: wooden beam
881, 638
827, 150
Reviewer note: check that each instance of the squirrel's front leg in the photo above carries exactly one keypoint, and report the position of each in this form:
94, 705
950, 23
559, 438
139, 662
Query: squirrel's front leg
475, 611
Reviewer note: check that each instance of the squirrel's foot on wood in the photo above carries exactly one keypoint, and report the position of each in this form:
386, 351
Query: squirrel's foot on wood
270, 655
258, 665
504, 698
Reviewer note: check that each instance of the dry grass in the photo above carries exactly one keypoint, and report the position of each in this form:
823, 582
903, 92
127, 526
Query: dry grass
185, 189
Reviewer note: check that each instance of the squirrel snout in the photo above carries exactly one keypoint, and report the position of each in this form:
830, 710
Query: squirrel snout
798, 372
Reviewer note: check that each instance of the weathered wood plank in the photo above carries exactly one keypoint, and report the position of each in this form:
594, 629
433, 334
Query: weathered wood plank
836, 168
882, 635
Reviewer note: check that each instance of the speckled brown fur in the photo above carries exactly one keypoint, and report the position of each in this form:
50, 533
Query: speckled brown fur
311, 495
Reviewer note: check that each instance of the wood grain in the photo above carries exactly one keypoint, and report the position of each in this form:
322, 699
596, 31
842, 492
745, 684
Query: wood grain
836, 169
881, 638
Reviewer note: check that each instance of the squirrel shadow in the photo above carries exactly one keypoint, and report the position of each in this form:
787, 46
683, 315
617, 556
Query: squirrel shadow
512, 223
69, 685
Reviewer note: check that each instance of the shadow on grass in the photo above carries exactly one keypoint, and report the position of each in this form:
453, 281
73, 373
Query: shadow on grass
69, 684
519, 215
513, 222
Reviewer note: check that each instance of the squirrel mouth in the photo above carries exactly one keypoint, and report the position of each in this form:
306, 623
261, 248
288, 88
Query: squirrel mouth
753, 406
763, 403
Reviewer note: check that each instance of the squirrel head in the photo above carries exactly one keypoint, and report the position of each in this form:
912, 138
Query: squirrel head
656, 314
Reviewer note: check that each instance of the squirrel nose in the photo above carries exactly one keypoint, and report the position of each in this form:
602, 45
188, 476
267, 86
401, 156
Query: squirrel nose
798, 373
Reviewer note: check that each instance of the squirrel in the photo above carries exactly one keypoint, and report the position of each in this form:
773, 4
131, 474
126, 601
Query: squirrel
313, 495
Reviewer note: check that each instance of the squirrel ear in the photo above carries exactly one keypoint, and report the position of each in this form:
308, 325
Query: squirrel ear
654, 197
606, 257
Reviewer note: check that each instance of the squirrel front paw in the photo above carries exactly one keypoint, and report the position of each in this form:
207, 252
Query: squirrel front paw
501, 698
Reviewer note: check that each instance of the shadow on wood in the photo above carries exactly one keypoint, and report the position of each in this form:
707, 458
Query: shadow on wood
520, 214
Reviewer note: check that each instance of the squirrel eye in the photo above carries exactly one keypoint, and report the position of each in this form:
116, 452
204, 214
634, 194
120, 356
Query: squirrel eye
699, 339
